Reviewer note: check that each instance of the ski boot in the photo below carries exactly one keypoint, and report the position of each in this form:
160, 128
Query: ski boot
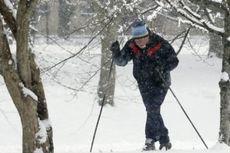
149, 145
165, 146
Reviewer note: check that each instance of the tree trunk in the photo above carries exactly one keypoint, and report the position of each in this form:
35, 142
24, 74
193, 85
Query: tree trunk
215, 45
25, 105
24, 82
22, 39
42, 110
65, 11
106, 84
27, 108
215, 41
224, 134
47, 14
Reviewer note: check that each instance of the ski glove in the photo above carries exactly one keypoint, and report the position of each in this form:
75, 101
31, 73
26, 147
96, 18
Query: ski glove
115, 48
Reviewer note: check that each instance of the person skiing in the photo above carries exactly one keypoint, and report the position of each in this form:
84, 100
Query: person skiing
153, 59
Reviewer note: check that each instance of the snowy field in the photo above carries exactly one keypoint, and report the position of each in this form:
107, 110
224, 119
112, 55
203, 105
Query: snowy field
73, 105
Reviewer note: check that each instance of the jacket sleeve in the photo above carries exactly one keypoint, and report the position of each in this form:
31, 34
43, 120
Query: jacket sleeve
168, 57
123, 57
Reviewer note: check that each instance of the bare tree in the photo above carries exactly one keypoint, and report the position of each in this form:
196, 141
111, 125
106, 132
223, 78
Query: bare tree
200, 19
106, 85
22, 77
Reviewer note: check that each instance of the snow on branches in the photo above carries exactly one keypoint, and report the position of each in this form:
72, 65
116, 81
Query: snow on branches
28, 92
194, 18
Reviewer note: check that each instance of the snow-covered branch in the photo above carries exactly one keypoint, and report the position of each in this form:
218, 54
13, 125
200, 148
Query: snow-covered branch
215, 5
194, 18
28, 92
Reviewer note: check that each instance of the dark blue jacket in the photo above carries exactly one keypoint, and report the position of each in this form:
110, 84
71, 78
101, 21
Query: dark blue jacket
158, 55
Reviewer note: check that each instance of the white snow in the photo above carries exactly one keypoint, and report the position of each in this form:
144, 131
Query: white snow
219, 1
41, 134
121, 128
153, 15
228, 38
10, 62
38, 150
43, 1
46, 123
28, 92
224, 76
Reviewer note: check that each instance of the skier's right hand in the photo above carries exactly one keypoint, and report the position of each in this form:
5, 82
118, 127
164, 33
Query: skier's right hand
115, 48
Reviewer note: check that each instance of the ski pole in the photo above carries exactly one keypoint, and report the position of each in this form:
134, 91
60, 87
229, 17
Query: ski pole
102, 106
174, 95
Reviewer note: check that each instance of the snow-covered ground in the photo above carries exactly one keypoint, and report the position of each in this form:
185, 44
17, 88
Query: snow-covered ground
74, 113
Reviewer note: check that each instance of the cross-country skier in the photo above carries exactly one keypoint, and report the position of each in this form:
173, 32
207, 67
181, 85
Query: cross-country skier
153, 59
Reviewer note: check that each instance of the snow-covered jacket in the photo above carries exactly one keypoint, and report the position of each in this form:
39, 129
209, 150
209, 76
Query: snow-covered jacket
158, 55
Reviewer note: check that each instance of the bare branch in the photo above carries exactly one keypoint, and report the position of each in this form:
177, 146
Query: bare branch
8, 71
197, 54
208, 15
8, 17
150, 9
74, 55
212, 5
183, 42
177, 36
5, 53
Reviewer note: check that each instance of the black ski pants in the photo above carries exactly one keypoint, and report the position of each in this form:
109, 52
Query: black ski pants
153, 96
